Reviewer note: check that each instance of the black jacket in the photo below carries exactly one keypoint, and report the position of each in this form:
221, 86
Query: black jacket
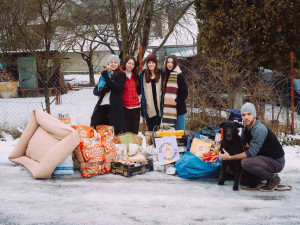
116, 109
182, 94
270, 147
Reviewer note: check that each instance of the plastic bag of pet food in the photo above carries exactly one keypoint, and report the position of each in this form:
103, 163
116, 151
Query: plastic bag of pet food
121, 152
190, 166
66, 167
91, 157
199, 147
110, 155
211, 156
84, 131
105, 133
65, 113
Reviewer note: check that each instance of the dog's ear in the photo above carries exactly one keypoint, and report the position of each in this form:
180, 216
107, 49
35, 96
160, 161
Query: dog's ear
239, 125
222, 124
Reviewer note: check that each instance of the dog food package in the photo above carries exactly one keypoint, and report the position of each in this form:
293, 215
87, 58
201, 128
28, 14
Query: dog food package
218, 137
66, 167
211, 156
84, 131
65, 113
91, 157
105, 133
199, 147
110, 155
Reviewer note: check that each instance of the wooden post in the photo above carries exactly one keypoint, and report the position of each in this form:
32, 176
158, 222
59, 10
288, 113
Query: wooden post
141, 58
57, 96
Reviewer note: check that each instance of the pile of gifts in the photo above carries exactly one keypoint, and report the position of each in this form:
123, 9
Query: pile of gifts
99, 150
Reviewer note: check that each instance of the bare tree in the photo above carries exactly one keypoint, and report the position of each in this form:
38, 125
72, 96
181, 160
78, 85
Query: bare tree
41, 24
92, 30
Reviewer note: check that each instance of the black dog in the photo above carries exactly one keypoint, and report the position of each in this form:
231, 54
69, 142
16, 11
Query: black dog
232, 143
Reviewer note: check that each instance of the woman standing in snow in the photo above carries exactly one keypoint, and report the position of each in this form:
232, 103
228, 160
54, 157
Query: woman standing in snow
152, 95
109, 109
131, 94
176, 92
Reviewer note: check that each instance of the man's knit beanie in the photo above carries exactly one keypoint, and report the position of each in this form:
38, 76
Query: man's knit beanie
249, 107
114, 58
152, 58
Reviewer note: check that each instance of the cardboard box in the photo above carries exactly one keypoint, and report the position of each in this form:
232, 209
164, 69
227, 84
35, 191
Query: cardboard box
130, 170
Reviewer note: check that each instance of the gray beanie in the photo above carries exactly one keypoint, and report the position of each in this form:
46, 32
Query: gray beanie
248, 107
115, 58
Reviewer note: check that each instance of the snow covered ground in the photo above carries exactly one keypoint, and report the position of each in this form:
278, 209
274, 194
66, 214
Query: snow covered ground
152, 198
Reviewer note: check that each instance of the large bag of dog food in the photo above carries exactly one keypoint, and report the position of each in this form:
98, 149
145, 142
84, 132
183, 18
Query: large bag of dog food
66, 167
190, 166
90, 156
65, 113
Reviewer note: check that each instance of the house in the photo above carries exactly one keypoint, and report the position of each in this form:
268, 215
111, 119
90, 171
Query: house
20, 71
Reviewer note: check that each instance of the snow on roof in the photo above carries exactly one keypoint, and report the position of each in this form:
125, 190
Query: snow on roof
186, 54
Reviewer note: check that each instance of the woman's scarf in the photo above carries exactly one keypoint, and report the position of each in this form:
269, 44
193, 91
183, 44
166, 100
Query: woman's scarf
170, 110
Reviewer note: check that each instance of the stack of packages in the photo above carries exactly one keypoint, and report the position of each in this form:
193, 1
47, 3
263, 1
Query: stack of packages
165, 148
130, 159
95, 151
206, 149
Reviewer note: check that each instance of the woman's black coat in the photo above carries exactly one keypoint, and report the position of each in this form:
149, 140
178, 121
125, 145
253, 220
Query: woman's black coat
114, 84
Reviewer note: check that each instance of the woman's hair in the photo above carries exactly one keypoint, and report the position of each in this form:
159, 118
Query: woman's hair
167, 71
148, 73
134, 70
117, 71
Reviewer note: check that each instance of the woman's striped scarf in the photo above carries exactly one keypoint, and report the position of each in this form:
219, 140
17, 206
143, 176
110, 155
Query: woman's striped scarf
170, 111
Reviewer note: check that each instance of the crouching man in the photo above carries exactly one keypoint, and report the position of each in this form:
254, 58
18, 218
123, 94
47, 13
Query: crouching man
264, 158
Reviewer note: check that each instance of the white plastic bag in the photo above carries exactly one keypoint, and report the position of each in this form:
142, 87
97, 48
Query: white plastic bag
66, 167
65, 113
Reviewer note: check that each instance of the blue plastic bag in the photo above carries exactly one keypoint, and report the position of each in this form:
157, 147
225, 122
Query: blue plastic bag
190, 166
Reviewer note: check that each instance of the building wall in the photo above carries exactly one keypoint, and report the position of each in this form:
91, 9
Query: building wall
75, 63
